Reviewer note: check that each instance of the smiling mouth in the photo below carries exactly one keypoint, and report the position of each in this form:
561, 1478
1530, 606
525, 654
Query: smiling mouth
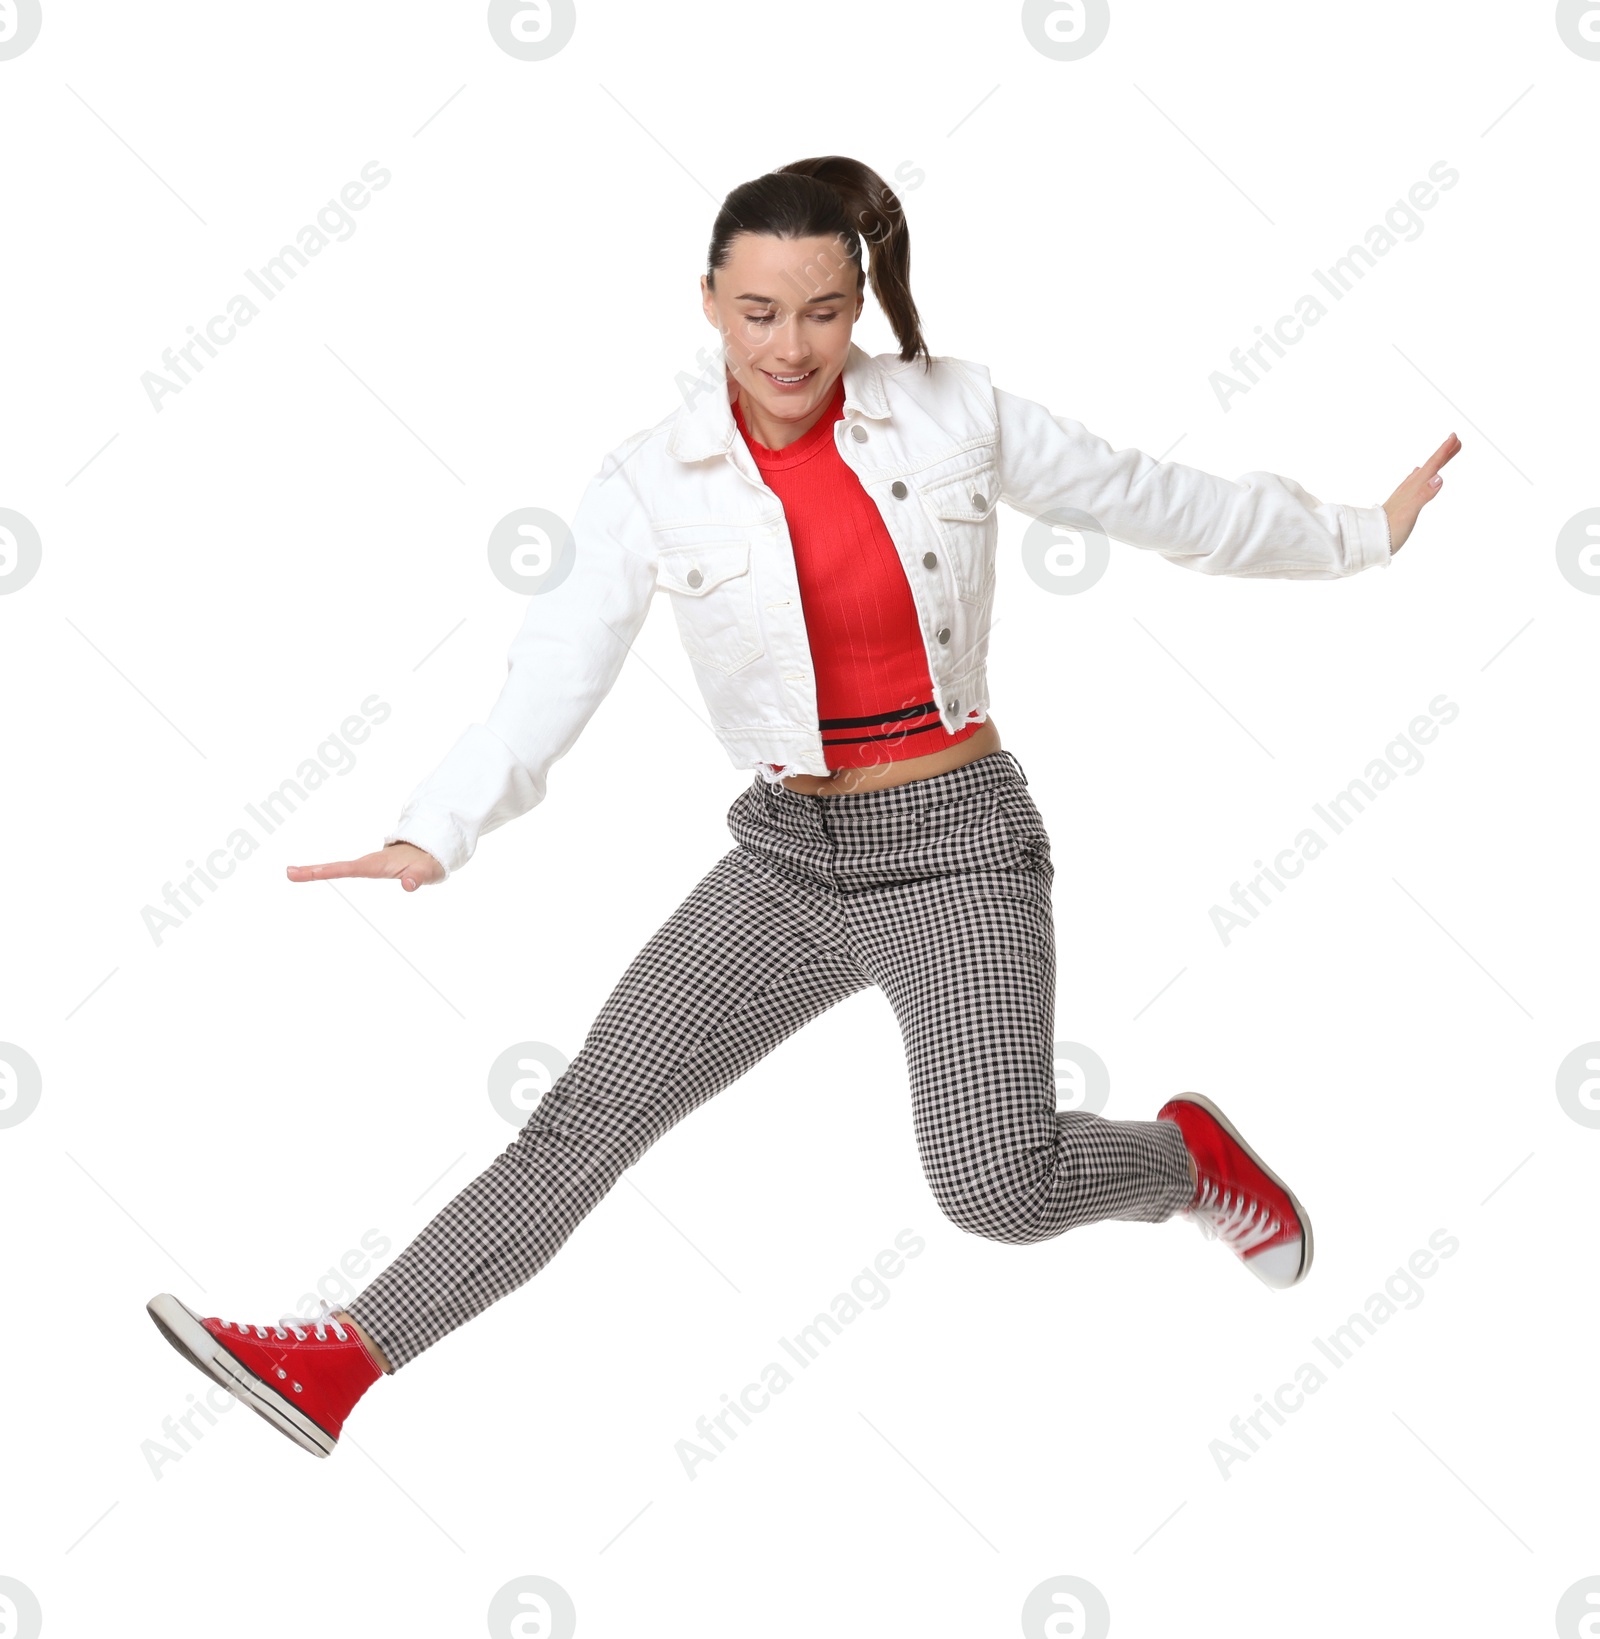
789, 381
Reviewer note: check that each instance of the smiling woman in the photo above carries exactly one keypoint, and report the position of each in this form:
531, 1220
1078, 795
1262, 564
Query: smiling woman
791, 286
785, 286
824, 525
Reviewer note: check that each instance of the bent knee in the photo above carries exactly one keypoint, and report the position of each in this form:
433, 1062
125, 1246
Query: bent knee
997, 1214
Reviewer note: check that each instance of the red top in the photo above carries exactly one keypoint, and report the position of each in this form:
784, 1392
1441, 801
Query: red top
874, 692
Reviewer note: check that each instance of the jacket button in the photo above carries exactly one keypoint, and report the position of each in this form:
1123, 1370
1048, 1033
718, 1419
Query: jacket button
694, 577
979, 499
898, 490
952, 705
929, 561
944, 634
859, 433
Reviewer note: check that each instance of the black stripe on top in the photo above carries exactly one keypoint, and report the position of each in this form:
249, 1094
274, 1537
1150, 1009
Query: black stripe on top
900, 716
881, 717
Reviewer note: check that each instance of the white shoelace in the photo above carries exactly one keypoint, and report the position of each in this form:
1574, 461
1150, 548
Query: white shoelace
1242, 1223
317, 1323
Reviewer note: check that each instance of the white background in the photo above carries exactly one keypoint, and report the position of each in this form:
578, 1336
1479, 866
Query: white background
225, 1114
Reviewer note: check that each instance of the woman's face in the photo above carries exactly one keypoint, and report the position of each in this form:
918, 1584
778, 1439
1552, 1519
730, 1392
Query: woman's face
785, 308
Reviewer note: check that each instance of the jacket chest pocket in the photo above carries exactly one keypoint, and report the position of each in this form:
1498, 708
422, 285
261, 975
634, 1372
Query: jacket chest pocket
963, 511
714, 600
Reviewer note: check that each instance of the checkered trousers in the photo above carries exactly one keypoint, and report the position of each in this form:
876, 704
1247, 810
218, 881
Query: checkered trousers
936, 891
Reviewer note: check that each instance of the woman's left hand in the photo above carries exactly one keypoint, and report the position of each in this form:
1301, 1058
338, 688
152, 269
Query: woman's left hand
1415, 493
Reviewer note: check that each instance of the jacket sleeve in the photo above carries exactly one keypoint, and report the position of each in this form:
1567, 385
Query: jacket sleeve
1258, 524
562, 662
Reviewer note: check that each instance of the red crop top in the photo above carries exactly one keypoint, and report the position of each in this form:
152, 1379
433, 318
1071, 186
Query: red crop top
874, 692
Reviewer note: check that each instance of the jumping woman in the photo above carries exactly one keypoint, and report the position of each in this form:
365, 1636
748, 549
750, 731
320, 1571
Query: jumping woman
823, 522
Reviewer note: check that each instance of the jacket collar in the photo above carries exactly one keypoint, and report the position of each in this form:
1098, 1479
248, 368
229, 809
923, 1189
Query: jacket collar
706, 427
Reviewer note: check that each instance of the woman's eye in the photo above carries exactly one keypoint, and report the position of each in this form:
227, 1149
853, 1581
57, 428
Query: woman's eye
766, 318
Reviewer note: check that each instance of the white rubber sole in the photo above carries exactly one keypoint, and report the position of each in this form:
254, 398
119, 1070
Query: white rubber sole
1294, 1200
186, 1332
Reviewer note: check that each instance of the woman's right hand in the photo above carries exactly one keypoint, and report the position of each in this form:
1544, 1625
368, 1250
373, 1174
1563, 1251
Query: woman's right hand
415, 867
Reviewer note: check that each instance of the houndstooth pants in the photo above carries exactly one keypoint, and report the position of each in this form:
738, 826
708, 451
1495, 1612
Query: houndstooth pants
938, 891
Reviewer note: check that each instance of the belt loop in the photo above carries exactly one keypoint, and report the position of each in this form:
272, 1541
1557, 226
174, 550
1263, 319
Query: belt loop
917, 790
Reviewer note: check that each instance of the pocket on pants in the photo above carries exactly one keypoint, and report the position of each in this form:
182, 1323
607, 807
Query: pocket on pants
1027, 842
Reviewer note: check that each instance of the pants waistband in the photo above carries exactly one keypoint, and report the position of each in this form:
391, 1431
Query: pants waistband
998, 768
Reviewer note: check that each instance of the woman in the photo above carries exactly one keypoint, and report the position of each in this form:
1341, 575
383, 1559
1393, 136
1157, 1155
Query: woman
824, 523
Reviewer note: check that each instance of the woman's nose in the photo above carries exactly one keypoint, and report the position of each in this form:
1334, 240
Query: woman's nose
788, 345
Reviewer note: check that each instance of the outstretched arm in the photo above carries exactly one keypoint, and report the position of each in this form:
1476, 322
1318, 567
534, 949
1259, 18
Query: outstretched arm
561, 664
1260, 524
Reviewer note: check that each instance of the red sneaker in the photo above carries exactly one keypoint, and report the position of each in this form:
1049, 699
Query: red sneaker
303, 1376
1240, 1200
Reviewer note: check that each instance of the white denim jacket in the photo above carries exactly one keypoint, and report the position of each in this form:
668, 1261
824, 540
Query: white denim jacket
681, 508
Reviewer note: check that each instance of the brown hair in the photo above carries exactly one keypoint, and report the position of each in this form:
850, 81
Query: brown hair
815, 198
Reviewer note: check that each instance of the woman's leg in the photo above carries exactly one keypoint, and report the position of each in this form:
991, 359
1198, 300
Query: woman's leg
741, 964
958, 931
